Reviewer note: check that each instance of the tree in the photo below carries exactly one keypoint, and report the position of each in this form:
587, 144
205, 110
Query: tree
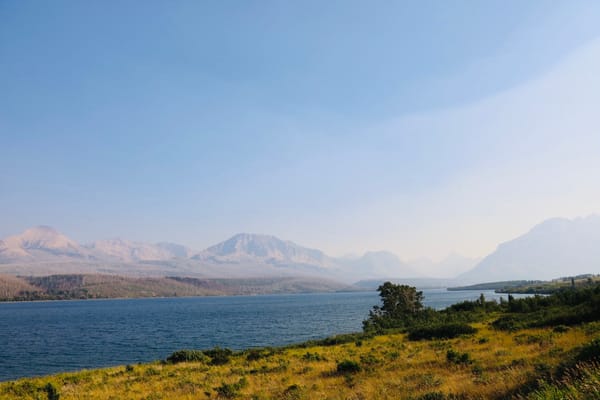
401, 304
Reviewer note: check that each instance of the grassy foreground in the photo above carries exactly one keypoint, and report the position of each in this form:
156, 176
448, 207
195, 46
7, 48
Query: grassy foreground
498, 364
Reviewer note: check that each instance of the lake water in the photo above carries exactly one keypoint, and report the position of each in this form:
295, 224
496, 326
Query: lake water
39, 338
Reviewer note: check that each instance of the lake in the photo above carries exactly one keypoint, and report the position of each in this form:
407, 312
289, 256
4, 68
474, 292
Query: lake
39, 338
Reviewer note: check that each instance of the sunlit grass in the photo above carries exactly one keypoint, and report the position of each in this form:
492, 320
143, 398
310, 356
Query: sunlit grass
391, 367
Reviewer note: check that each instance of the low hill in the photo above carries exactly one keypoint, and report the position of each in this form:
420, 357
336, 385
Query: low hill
11, 286
77, 286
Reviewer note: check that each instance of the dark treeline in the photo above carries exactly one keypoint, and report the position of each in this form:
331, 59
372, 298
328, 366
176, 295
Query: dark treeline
402, 311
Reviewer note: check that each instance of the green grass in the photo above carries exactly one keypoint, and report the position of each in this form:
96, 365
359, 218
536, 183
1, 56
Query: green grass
489, 364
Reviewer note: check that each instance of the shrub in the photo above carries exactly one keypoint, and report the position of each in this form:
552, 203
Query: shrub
589, 352
187, 356
257, 354
508, 323
348, 367
337, 339
231, 390
152, 372
227, 391
560, 329
443, 331
313, 357
293, 392
458, 358
51, 392
218, 356
369, 361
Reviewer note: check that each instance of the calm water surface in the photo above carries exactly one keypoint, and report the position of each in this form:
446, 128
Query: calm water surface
39, 338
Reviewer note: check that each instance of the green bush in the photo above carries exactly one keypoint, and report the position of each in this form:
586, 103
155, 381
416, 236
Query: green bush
313, 357
560, 329
187, 356
231, 390
257, 354
458, 358
508, 323
51, 392
348, 367
293, 392
218, 356
442, 331
369, 361
589, 352
337, 339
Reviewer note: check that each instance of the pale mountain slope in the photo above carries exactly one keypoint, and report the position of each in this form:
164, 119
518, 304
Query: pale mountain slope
176, 250
556, 247
41, 243
264, 248
127, 251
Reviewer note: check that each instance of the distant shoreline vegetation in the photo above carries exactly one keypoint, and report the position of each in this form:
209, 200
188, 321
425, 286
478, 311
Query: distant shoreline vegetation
534, 286
93, 286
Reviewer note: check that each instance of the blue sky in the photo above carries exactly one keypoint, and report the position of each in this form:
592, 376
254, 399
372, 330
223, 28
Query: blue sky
422, 127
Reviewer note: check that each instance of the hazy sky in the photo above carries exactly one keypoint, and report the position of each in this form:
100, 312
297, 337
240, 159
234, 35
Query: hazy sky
423, 127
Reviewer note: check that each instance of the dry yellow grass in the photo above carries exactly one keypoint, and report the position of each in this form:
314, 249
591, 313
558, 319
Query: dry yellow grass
392, 368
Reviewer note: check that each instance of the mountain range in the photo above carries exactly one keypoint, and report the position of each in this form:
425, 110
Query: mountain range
43, 250
556, 247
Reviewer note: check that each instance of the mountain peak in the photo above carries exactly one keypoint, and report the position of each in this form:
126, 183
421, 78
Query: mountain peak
244, 247
555, 247
39, 243
252, 244
128, 251
43, 237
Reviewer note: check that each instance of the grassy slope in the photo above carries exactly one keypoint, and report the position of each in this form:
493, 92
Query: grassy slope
392, 368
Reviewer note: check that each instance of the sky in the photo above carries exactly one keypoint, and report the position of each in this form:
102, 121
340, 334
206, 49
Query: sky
420, 127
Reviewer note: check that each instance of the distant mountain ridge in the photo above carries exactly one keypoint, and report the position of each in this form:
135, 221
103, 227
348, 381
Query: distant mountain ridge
266, 248
43, 250
41, 242
127, 251
556, 247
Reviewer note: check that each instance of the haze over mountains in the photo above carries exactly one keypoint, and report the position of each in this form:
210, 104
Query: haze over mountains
556, 247
43, 250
